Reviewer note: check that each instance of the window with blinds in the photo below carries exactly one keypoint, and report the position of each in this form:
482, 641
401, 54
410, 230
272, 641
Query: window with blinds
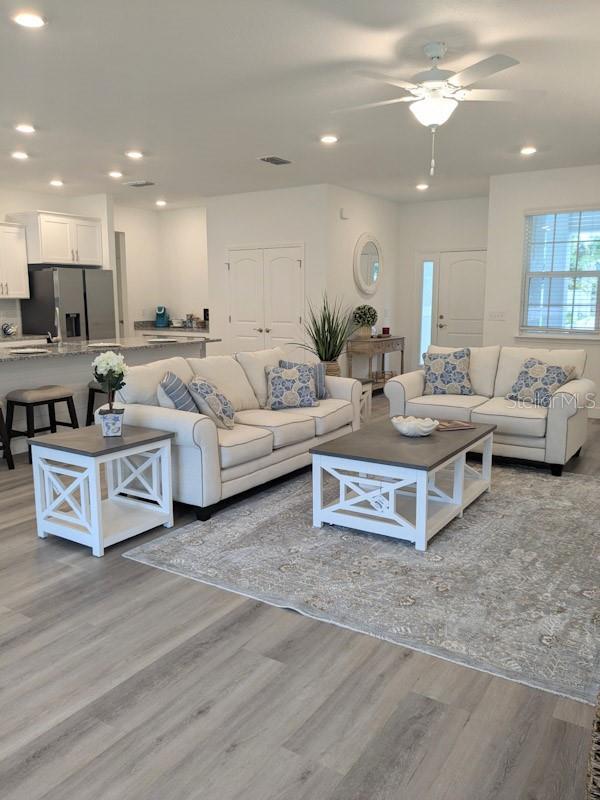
562, 269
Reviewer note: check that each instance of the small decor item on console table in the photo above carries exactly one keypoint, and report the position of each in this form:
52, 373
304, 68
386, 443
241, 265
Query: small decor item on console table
364, 318
109, 370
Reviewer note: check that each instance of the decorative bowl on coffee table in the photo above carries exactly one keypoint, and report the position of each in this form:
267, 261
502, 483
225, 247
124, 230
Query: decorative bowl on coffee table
414, 426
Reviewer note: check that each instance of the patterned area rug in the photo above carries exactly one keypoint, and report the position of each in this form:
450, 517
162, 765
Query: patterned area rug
510, 589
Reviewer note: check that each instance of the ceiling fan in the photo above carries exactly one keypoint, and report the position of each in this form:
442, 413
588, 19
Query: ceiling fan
435, 93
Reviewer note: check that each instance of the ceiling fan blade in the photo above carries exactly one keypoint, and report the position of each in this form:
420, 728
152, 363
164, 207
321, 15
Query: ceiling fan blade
409, 99
483, 69
497, 95
382, 78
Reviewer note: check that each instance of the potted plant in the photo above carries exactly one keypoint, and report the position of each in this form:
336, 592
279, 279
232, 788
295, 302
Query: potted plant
109, 370
364, 318
328, 329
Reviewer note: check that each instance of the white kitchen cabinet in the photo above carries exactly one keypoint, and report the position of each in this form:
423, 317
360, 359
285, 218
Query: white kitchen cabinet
62, 238
14, 277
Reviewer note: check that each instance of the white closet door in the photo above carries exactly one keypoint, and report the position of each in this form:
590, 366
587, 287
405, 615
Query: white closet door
246, 306
284, 297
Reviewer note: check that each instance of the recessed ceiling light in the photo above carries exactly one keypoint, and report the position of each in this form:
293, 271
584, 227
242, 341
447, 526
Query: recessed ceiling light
19, 155
329, 138
29, 19
422, 186
56, 182
24, 127
528, 151
114, 173
161, 203
135, 154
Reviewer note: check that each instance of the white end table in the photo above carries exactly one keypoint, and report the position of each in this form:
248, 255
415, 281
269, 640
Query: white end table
67, 483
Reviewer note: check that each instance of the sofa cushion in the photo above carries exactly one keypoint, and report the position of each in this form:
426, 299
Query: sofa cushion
243, 443
255, 366
329, 415
287, 428
447, 373
512, 418
537, 382
512, 358
226, 374
141, 382
290, 388
212, 403
483, 366
319, 371
444, 406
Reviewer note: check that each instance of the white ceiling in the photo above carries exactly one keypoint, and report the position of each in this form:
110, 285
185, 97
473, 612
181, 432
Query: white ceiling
204, 87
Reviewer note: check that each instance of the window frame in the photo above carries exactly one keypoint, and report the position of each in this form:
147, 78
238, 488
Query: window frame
547, 331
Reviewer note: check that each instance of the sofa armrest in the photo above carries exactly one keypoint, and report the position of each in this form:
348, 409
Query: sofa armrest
346, 389
566, 427
190, 429
402, 388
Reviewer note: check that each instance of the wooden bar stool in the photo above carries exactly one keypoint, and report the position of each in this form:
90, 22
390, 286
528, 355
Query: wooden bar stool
5, 442
94, 388
30, 399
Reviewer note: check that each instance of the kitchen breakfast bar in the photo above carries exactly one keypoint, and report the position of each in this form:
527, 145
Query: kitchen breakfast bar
69, 364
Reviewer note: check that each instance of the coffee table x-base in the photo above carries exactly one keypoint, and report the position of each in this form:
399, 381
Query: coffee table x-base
406, 489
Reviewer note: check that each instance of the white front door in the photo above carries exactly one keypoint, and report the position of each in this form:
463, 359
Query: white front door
284, 297
246, 304
461, 289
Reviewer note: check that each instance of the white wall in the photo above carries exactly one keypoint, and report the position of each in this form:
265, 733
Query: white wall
512, 197
183, 278
142, 260
428, 229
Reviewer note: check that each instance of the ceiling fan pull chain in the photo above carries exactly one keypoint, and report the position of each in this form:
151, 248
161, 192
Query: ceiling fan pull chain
432, 167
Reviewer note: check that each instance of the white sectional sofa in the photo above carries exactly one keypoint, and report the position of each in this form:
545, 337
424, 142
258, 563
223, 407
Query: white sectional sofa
210, 463
550, 435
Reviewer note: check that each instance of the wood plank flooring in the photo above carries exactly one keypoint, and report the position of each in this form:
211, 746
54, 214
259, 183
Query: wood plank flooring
122, 682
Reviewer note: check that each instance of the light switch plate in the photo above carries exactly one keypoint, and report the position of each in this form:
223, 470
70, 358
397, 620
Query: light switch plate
496, 316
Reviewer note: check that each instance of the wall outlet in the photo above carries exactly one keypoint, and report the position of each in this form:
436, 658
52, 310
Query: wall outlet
496, 316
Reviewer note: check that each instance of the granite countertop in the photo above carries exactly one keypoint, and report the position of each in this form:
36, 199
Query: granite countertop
92, 349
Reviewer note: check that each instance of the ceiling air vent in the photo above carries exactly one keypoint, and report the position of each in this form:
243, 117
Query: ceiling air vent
275, 160
138, 184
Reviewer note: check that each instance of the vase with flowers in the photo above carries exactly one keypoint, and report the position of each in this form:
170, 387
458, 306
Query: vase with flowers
364, 318
109, 370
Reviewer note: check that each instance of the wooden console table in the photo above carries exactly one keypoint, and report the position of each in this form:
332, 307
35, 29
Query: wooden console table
372, 348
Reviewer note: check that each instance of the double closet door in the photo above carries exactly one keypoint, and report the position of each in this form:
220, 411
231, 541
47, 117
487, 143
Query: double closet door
266, 297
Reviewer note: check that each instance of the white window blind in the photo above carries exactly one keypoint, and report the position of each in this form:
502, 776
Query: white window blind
562, 269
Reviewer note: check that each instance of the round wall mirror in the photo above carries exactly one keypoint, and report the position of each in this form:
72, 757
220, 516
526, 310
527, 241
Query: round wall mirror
368, 263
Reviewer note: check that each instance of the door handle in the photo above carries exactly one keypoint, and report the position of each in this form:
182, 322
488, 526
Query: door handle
442, 325
72, 255
260, 330
77, 254
267, 330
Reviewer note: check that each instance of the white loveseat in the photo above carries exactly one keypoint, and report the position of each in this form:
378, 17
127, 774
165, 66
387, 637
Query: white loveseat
550, 435
210, 463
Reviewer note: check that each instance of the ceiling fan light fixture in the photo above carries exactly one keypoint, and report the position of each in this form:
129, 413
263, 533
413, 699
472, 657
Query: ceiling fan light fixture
433, 111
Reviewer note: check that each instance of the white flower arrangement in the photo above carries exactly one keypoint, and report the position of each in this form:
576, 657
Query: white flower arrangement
110, 370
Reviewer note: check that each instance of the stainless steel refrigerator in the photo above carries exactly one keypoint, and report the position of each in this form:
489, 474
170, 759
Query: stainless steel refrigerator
71, 303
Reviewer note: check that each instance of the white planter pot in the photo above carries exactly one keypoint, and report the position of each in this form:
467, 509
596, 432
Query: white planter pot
112, 422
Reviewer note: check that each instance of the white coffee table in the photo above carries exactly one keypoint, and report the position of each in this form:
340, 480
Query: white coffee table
67, 482
400, 487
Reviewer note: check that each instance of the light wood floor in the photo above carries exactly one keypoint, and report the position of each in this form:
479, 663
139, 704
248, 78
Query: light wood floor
122, 682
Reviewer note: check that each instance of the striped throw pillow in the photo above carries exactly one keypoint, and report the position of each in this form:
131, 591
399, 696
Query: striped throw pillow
177, 392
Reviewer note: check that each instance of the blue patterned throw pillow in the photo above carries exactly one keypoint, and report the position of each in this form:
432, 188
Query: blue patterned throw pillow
447, 373
290, 388
212, 403
537, 382
177, 392
318, 373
